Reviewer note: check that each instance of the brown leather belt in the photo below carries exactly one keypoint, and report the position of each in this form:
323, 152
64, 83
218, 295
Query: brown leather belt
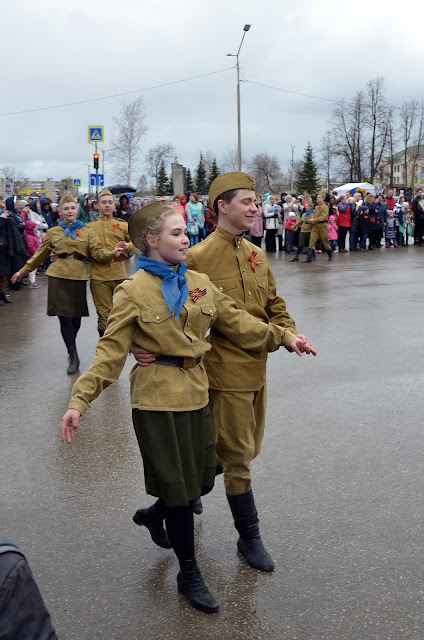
75, 256
175, 361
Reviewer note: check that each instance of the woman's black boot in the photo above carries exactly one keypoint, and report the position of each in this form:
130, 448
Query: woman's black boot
74, 363
310, 256
247, 524
4, 298
297, 254
196, 506
152, 518
330, 255
190, 582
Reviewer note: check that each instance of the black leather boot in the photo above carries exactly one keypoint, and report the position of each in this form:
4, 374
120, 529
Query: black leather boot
190, 582
75, 363
310, 256
196, 506
280, 243
247, 524
4, 298
330, 254
297, 254
152, 519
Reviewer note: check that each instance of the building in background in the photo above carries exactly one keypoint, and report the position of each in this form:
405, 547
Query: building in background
48, 188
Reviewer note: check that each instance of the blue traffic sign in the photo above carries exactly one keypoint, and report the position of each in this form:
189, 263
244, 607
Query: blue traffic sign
97, 179
76, 182
95, 134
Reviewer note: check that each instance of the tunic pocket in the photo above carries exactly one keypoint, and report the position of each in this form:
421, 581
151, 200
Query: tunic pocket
208, 308
262, 282
156, 314
225, 284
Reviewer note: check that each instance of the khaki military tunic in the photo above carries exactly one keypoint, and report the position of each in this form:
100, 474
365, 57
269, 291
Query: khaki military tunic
229, 262
85, 244
104, 278
320, 229
237, 375
141, 314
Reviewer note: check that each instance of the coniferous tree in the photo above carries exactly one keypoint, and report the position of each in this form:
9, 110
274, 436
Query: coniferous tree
201, 176
307, 178
213, 173
189, 181
162, 182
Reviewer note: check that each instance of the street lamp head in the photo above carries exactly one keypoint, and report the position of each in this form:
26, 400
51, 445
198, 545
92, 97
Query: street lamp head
246, 27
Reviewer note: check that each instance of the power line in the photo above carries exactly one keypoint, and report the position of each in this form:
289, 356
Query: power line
115, 95
296, 93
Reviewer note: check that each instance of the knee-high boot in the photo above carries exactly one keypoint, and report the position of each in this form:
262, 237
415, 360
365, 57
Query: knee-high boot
247, 524
311, 256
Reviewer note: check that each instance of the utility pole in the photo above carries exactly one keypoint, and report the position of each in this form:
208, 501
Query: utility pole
236, 56
292, 146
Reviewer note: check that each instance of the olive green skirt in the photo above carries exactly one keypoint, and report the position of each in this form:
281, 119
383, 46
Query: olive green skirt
304, 238
178, 451
67, 298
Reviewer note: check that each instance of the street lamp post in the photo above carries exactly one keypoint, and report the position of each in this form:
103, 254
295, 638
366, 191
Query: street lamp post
89, 176
236, 56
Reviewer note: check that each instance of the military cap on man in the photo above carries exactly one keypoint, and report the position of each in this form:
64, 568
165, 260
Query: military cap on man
228, 181
143, 218
105, 192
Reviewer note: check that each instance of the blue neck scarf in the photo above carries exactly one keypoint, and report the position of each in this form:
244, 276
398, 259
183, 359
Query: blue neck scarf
174, 285
70, 228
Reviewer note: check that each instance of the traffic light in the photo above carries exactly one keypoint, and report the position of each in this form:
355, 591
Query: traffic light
96, 160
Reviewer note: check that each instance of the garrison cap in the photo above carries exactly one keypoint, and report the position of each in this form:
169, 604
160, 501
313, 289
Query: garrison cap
142, 219
66, 198
105, 192
228, 181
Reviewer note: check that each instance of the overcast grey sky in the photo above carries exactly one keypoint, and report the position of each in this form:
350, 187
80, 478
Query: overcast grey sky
55, 53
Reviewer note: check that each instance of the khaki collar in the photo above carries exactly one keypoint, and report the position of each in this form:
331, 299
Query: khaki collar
229, 237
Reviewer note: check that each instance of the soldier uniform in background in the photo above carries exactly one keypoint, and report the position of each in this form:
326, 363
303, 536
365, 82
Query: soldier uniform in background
104, 278
319, 230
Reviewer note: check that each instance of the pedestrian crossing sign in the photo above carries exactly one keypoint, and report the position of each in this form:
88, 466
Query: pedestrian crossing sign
95, 134
76, 182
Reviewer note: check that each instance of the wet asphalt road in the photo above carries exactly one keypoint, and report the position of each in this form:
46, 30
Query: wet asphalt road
338, 485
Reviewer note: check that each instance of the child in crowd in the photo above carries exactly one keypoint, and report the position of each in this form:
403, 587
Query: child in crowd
364, 225
405, 227
289, 231
390, 232
193, 228
32, 245
332, 230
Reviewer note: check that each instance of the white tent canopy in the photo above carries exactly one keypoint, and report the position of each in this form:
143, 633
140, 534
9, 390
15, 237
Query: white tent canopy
351, 186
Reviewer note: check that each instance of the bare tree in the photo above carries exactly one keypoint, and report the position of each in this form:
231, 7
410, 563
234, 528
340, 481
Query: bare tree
266, 171
155, 156
17, 175
387, 170
347, 131
327, 156
376, 118
419, 136
229, 160
130, 128
407, 117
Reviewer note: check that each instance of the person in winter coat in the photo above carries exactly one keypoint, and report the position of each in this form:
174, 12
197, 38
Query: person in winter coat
36, 216
122, 210
257, 230
47, 211
211, 219
11, 206
12, 251
364, 226
83, 210
289, 232
179, 207
32, 245
343, 222
195, 207
333, 230
418, 210
272, 216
